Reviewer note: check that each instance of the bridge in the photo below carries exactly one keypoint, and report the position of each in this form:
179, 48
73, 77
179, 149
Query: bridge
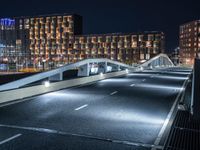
86, 68
111, 106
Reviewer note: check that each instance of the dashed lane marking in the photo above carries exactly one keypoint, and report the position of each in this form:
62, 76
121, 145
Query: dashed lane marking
9, 139
81, 107
114, 93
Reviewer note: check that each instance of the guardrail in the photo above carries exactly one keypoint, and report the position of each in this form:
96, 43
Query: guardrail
57, 72
178, 104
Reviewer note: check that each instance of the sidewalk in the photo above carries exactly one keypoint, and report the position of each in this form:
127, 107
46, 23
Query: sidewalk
185, 133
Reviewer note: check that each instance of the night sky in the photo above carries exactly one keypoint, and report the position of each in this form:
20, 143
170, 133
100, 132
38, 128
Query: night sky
108, 16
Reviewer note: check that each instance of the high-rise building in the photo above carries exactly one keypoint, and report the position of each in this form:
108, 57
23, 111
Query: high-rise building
53, 40
189, 42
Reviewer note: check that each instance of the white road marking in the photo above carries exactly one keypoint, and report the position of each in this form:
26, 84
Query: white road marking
81, 107
51, 131
152, 76
113, 93
144, 80
161, 133
9, 139
132, 85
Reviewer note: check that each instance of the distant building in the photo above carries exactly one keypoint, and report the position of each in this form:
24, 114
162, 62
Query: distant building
58, 39
189, 42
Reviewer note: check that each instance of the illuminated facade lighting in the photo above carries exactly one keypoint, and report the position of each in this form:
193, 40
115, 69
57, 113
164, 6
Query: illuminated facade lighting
189, 42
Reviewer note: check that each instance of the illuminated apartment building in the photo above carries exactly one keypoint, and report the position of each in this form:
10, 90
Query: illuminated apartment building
53, 40
128, 48
189, 42
40, 39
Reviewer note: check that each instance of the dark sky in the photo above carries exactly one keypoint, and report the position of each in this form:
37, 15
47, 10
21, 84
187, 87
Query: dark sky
106, 16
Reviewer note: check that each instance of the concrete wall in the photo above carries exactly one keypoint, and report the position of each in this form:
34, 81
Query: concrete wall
11, 95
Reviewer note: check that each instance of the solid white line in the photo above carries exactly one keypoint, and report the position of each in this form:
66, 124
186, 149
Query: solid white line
132, 85
9, 139
113, 93
81, 107
161, 133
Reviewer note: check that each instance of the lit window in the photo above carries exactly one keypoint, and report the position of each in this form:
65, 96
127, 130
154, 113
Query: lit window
141, 56
134, 44
148, 44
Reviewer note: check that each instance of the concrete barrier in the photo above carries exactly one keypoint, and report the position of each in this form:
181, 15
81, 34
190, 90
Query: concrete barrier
16, 94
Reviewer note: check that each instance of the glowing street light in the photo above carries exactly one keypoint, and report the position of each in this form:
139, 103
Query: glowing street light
43, 62
46, 84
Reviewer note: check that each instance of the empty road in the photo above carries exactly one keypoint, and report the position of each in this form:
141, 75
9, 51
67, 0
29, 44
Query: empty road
122, 113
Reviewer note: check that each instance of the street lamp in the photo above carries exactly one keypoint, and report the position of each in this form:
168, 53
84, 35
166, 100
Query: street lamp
46, 84
43, 61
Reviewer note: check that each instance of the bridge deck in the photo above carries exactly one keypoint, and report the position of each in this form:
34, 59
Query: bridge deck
118, 113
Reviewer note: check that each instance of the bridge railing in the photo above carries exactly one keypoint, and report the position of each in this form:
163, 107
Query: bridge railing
161, 60
83, 67
26, 92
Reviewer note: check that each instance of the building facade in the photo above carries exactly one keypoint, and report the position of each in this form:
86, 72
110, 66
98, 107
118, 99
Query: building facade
128, 48
54, 40
39, 39
189, 42
7, 40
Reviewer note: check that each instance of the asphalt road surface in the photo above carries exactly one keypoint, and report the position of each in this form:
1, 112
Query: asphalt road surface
121, 113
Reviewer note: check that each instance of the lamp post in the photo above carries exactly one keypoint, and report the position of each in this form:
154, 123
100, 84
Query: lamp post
43, 62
